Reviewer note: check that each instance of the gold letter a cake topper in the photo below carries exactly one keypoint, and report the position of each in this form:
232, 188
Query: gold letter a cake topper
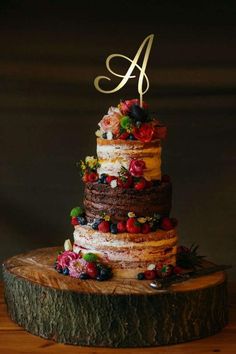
134, 64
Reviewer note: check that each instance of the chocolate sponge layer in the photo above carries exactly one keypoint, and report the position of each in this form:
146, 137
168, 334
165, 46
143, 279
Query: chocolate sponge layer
117, 202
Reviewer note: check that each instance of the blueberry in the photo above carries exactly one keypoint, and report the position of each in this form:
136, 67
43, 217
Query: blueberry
155, 225
102, 178
140, 276
99, 278
113, 228
60, 270
104, 135
83, 276
131, 137
66, 271
95, 226
105, 273
82, 220
138, 123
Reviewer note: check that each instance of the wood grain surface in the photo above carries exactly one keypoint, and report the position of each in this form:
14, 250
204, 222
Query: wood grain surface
14, 340
117, 313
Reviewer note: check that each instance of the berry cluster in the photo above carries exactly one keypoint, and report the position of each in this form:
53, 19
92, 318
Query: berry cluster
130, 121
135, 225
78, 216
83, 267
159, 270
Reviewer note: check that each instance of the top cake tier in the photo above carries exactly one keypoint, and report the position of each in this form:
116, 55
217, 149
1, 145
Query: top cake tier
113, 155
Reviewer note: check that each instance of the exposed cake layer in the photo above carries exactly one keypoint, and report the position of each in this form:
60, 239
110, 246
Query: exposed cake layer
117, 202
113, 154
128, 254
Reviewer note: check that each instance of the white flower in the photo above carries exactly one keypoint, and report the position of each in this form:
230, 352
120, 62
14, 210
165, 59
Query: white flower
112, 110
109, 135
151, 267
142, 220
131, 214
113, 183
68, 245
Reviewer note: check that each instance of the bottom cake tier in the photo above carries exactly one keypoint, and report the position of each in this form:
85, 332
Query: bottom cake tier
127, 253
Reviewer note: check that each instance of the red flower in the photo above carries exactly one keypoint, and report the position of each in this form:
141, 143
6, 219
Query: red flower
136, 168
126, 105
144, 133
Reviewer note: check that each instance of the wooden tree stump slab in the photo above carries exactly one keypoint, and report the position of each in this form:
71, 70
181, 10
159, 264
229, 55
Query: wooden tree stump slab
116, 313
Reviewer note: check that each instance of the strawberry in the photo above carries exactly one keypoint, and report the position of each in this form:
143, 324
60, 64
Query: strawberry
93, 177
165, 178
164, 270
146, 228
74, 221
133, 226
104, 226
140, 185
110, 178
166, 224
150, 274
125, 181
124, 136
91, 270
121, 226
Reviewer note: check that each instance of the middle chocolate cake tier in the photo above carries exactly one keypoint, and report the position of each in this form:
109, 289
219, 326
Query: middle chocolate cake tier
117, 202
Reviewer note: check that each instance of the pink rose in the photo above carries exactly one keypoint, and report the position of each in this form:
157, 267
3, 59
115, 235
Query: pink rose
126, 105
76, 267
64, 259
111, 121
136, 168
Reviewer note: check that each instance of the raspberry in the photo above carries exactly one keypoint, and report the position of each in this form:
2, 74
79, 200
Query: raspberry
150, 274
91, 270
104, 226
93, 177
133, 226
121, 226
166, 224
74, 221
139, 186
146, 228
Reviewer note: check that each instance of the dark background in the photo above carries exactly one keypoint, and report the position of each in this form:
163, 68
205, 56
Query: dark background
50, 53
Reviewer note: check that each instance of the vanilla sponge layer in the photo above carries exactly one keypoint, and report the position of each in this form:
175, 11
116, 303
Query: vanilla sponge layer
127, 254
112, 154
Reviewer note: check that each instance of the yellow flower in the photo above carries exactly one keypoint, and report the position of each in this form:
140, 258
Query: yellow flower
131, 214
91, 161
142, 220
107, 217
